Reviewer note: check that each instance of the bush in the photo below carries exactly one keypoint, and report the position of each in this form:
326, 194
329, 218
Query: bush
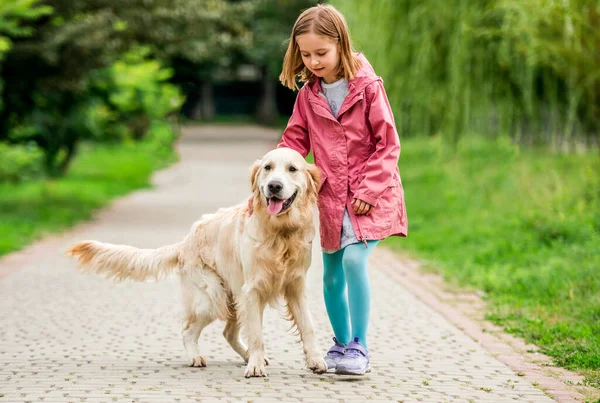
20, 162
137, 92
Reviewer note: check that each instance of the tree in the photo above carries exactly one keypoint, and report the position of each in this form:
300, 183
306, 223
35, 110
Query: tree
219, 47
50, 71
271, 27
12, 16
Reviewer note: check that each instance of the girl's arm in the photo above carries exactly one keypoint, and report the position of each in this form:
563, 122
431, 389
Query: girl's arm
383, 162
295, 135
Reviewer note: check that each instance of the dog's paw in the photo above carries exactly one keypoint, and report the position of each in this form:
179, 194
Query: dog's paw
255, 367
316, 364
247, 358
198, 362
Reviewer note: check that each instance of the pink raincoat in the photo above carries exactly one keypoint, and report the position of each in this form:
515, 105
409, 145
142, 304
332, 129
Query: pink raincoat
357, 154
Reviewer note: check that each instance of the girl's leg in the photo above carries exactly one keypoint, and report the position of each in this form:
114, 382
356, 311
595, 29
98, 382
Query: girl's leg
354, 262
336, 300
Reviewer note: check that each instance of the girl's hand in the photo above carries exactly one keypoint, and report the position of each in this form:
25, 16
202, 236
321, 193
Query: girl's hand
361, 207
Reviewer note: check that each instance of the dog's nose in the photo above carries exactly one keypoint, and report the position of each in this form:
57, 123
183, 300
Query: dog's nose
275, 186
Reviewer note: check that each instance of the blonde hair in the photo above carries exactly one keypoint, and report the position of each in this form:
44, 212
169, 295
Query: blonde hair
322, 20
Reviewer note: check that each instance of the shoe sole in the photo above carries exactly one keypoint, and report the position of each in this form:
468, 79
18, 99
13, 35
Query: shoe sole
342, 371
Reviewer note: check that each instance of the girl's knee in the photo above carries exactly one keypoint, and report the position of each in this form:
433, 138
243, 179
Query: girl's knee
354, 262
334, 282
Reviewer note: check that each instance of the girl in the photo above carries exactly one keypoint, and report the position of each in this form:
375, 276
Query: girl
342, 114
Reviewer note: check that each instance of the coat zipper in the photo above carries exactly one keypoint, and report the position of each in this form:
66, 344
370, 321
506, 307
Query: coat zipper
363, 238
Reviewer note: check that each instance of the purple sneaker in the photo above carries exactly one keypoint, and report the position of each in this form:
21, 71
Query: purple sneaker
355, 360
335, 354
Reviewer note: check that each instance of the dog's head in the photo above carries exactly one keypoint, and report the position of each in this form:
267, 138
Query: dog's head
283, 182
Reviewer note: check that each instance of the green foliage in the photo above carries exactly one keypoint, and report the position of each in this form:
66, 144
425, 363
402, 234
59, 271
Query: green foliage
137, 91
51, 95
194, 30
30, 210
521, 225
271, 27
85, 35
20, 162
13, 15
527, 68
122, 101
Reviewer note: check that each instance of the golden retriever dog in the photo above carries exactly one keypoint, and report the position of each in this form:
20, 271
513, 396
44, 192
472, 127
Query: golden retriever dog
236, 261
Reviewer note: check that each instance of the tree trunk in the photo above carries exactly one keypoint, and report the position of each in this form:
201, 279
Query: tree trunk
71, 149
196, 110
207, 101
139, 125
267, 108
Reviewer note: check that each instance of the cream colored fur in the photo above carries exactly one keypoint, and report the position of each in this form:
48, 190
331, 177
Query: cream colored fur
234, 262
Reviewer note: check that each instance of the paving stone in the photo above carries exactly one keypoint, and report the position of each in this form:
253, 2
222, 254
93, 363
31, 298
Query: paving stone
66, 336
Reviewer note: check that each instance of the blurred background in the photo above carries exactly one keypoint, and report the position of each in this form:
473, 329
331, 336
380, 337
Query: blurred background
497, 104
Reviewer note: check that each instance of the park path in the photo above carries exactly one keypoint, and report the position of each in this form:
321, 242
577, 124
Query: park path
70, 337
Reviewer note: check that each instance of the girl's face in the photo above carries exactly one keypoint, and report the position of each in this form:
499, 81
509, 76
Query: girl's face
320, 54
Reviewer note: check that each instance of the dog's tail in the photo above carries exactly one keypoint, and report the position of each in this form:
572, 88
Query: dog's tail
120, 262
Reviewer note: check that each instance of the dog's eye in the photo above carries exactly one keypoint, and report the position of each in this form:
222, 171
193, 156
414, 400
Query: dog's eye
267, 167
293, 169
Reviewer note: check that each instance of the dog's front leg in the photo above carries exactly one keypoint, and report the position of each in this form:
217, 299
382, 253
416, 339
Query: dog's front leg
252, 307
295, 296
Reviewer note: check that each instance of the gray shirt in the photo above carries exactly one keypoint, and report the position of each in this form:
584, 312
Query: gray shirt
335, 94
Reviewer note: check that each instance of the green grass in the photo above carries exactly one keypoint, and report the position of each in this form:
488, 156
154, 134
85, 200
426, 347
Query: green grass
99, 173
521, 225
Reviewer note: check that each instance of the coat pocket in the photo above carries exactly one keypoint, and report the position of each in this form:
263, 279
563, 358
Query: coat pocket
323, 180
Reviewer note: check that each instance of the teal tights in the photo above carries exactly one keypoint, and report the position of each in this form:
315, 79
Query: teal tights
348, 309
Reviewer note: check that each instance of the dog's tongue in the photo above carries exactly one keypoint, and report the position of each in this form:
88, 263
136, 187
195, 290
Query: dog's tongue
274, 206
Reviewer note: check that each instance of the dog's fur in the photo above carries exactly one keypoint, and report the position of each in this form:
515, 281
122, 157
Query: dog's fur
234, 262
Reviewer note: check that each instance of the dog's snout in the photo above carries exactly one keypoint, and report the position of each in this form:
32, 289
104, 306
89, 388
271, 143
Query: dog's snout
275, 186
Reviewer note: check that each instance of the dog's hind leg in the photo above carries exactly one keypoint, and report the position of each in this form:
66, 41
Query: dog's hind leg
199, 310
191, 333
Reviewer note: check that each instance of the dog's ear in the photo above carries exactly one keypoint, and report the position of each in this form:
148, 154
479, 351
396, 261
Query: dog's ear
254, 200
254, 169
314, 179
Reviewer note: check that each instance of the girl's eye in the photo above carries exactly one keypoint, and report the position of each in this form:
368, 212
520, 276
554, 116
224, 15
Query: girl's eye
321, 54
293, 169
267, 167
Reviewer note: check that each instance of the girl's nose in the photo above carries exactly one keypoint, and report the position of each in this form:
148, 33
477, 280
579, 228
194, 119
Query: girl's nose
315, 62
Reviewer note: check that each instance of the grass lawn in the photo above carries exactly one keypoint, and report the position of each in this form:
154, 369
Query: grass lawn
523, 226
99, 173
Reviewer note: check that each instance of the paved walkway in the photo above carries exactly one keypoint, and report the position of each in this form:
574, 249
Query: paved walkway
70, 337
